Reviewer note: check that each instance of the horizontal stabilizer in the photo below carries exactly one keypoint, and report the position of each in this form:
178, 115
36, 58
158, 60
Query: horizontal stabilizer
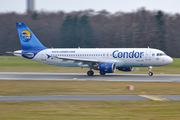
20, 53
9, 52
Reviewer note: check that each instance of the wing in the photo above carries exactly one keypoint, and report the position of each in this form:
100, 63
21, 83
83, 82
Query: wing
79, 59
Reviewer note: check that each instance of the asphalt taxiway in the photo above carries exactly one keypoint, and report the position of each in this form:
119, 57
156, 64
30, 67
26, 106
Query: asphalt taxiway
84, 77
90, 98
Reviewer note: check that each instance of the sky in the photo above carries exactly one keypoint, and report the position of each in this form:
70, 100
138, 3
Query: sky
20, 6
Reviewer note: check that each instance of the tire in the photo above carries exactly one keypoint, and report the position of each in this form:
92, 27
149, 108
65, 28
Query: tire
102, 73
150, 73
90, 73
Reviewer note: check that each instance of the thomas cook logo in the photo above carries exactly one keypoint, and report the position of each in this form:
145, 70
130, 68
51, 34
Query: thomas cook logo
26, 35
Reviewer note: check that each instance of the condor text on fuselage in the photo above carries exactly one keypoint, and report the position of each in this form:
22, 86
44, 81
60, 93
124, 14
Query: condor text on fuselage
132, 54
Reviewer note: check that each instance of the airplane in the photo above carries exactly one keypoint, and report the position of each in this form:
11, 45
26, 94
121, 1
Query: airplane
106, 60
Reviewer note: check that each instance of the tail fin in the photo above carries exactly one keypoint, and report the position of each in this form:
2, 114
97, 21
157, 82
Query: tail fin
27, 38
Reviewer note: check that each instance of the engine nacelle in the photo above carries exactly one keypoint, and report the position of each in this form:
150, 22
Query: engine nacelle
107, 67
126, 69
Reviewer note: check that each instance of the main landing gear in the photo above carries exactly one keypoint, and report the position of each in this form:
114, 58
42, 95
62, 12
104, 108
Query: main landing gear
90, 73
102, 73
150, 73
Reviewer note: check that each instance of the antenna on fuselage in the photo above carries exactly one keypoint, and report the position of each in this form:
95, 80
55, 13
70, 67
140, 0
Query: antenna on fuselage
148, 47
78, 47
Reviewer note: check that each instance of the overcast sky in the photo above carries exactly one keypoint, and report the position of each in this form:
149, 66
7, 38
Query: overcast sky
20, 6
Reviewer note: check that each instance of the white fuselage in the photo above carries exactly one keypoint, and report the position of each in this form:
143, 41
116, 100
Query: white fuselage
121, 57
106, 60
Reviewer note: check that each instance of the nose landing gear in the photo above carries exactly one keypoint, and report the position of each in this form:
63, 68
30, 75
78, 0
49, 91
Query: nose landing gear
150, 73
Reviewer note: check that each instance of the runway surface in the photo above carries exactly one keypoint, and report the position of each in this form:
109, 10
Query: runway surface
90, 98
84, 77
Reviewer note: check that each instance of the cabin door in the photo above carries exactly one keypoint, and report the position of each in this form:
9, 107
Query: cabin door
43, 55
148, 55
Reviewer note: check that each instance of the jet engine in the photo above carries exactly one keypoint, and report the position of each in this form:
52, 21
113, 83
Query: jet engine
107, 67
126, 69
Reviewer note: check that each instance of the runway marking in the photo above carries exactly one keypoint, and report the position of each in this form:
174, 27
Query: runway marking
155, 98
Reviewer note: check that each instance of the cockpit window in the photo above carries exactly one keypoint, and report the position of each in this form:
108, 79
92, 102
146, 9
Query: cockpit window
161, 54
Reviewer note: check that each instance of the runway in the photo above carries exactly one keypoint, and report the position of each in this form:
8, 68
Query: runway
90, 98
84, 77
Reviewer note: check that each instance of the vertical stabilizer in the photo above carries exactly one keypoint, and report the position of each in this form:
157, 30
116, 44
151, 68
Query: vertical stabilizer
27, 38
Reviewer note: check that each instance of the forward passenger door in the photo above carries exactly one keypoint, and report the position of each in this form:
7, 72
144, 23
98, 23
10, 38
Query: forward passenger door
148, 55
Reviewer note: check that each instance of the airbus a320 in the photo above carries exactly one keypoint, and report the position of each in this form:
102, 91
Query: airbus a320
106, 60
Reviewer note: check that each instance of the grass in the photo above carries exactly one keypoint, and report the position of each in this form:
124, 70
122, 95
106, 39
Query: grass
17, 64
20, 87
98, 110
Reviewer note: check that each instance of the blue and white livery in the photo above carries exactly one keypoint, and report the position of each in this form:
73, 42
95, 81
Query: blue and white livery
106, 60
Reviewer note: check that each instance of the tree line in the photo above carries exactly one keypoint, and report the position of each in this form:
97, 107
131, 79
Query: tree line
92, 29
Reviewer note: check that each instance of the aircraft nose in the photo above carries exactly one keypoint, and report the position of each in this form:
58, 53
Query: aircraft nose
170, 60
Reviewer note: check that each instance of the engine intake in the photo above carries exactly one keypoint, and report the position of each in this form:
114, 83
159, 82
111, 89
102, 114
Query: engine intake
107, 67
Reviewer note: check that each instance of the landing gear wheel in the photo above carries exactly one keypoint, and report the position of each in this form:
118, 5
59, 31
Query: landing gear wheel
150, 73
102, 73
90, 73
